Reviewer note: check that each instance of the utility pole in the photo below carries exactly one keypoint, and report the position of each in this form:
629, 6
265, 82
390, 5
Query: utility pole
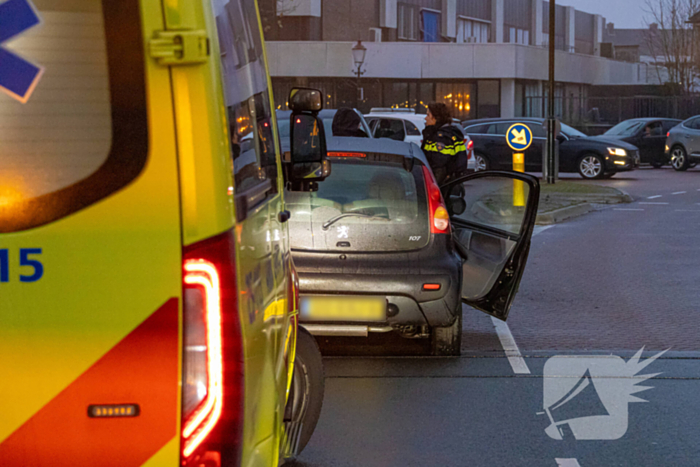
550, 165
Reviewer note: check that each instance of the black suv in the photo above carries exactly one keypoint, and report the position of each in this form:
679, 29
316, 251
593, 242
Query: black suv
376, 250
590, 156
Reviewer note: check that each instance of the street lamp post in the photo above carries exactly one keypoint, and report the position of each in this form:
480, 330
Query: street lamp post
358, 55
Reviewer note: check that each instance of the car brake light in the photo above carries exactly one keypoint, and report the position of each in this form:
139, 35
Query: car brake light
212, 373
439, 219
668, 134
347, 154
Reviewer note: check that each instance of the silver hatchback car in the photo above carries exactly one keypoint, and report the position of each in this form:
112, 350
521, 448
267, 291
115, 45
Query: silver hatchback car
683, 144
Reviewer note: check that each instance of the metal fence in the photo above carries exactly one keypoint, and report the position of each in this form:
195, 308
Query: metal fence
594, 115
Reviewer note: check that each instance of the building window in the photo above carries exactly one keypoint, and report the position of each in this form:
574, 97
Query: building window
431, 26
518, 36
457, 97
470, 31
408, 26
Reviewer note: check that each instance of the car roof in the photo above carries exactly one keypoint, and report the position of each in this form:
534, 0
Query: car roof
479, 121
381, 145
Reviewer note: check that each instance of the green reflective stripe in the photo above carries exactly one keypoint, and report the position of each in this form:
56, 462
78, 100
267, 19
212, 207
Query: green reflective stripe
451, 150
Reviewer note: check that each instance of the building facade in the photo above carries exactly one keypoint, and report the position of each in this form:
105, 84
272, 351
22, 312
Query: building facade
483, 58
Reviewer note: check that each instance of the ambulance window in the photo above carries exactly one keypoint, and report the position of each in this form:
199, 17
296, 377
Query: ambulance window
254, 152
73, 123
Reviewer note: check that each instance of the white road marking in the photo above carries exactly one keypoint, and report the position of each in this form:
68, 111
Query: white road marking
653, 197
515, 358
567, 463
623, 209
679, 193
687, 210
654, 203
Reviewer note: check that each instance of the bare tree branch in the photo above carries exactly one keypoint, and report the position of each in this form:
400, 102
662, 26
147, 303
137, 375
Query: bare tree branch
672, 42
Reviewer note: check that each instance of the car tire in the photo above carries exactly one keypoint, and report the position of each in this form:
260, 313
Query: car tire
305, 395
609, 175
447, 341
591, 166
481, 163
692, 164
679, 159
657, 165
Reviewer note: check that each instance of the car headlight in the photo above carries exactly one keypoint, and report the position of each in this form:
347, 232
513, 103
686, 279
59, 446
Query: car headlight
617, 152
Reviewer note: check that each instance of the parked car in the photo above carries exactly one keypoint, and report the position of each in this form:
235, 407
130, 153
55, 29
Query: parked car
376, 250
648, 134
406, 125
591, 157
683, 144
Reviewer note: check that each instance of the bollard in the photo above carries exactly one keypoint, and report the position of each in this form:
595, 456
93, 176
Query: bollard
518, 186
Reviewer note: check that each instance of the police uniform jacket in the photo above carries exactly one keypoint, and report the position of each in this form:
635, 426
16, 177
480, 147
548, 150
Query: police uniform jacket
445, 150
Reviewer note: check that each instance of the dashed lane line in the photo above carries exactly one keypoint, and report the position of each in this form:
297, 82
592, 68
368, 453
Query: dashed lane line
627, 209
679, 193
658, 204
654, 197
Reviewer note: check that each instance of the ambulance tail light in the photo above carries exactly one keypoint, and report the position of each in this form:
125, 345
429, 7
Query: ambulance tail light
212, 370
439, 218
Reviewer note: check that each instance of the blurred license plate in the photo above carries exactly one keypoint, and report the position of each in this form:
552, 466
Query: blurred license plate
343, 308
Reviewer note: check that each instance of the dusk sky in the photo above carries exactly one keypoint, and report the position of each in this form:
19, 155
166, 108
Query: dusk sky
624, 13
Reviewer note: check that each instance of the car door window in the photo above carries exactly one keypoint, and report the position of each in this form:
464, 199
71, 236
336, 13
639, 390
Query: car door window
498, 129
477, 129
411, 129
492, 218
653, 129
537, 130
390, 128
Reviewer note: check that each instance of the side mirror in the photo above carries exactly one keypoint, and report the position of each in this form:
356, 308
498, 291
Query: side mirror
305, 100
308, 162
561, 138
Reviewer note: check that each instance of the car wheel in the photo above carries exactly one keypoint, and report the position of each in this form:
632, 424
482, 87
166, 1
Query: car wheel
447, 341
305, 395
591, 166
657, 165
481, 163
692, 164
610, 175
679, 159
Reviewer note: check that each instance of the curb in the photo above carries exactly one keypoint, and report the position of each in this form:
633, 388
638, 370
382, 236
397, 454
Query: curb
559, 215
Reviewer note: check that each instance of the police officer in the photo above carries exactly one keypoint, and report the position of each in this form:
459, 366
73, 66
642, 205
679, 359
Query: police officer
443, 144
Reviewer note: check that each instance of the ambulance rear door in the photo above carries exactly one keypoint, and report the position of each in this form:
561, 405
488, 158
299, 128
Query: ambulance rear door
90, 240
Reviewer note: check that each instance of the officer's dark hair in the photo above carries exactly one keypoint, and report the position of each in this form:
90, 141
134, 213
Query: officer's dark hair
441, 113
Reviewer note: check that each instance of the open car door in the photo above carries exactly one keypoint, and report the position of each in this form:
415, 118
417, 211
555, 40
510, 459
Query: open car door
493, 216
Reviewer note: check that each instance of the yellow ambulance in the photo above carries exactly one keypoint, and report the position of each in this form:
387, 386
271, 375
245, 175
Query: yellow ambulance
147, 293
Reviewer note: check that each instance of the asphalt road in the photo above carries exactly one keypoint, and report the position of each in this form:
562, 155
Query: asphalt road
596, 290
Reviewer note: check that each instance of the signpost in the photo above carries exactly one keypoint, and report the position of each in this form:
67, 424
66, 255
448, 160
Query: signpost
519, 138
549, 168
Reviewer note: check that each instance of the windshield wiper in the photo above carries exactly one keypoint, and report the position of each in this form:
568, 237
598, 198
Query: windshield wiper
335, 219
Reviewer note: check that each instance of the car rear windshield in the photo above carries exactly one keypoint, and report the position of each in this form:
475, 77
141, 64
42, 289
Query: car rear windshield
73, 123
362, 206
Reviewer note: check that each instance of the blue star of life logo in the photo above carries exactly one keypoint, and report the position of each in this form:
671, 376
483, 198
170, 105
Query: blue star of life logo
18, 77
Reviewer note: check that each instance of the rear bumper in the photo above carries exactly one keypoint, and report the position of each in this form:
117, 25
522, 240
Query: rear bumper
409, 304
